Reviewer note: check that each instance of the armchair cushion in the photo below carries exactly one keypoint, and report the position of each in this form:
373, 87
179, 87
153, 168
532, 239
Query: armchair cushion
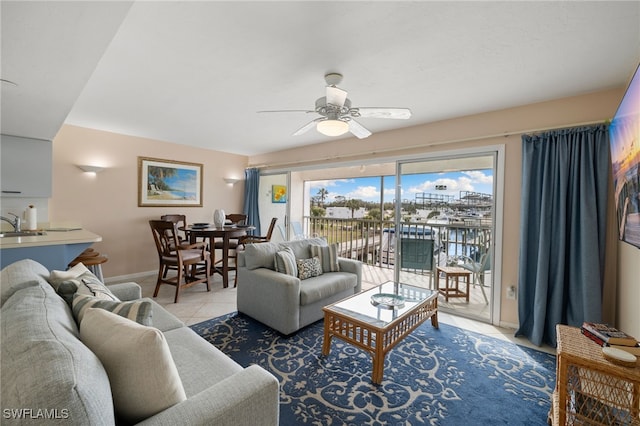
144, 379
261, 255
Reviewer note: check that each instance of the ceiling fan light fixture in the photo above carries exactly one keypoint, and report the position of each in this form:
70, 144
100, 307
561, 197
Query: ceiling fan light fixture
333, 127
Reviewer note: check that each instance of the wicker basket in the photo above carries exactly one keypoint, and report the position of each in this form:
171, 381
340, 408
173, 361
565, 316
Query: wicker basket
590, 390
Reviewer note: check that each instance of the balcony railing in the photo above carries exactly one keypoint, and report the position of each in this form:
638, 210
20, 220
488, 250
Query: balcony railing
373, 241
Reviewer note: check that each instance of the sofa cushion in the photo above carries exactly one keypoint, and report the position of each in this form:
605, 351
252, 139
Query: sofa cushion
260, 255
285, 262
301, 247
45, 365
144, 379
308, 268
321, 287
328, 256
135, 310
21, 274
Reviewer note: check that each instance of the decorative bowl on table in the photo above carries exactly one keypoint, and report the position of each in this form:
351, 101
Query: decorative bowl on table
387, 300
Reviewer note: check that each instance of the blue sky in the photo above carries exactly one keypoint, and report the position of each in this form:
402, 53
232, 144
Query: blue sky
368, 188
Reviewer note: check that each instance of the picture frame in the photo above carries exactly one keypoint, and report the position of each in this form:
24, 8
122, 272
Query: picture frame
169, 183
278, 194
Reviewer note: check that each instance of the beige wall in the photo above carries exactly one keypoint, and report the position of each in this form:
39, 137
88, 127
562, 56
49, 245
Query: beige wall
107, 203
489, 129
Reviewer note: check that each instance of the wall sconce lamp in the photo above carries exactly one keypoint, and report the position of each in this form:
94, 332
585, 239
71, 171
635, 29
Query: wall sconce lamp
231, 181
90, 169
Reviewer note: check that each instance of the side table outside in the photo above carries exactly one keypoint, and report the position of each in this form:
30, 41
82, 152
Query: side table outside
454, 273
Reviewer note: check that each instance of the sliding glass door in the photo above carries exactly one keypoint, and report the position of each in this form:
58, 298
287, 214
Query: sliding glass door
444, 230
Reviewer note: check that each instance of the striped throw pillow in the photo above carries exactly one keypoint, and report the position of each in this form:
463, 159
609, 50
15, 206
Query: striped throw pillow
285, 262
328, 256
135, 310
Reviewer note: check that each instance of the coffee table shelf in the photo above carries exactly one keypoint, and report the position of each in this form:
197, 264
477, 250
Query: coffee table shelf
376, 329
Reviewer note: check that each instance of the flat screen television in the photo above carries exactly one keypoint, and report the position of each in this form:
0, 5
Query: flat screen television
624, 134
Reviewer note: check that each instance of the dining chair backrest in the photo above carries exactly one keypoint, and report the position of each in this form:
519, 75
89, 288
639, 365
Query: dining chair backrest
283, 232
237, 218
416, 253
297, 230
272, 225
179, 219
165, 235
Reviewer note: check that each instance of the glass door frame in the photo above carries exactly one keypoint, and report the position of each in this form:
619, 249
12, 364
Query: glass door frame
498, 152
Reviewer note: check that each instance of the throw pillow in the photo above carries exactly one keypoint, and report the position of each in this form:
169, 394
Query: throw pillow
328, 256
91, 285
135, 310
143, 376
58, 277
286, 262
85, 280
308, 268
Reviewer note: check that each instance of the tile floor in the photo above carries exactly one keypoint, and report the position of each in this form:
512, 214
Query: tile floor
197, 305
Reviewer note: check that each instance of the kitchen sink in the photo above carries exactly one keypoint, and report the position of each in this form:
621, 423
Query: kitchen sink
22, 234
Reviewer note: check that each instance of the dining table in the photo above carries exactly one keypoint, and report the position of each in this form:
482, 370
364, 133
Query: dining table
211, 232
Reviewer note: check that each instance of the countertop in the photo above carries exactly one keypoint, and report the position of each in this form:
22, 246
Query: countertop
50, 239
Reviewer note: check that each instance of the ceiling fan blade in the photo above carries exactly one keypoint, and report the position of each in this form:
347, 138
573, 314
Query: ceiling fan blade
308, 126
336, 96
368, 112
286, 110
358, 129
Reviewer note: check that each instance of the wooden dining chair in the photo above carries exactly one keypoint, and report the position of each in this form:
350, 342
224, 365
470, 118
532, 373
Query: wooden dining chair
189, 261
237, 218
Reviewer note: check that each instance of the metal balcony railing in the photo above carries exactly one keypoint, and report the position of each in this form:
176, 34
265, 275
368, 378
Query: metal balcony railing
373, 241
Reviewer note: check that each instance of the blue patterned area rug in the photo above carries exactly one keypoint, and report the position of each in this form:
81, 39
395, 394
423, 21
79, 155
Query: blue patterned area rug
445, 376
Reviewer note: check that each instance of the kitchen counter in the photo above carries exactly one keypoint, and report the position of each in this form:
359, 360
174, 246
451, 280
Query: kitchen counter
51, 238
54, 250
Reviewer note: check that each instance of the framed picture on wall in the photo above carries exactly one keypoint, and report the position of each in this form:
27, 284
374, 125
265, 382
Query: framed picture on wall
278, 194
168, 183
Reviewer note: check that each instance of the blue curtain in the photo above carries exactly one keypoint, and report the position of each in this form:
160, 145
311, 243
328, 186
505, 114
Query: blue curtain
563, 227
251, 188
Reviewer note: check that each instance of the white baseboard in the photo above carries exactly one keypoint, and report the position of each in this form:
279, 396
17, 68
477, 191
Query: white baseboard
129, 277
509, 325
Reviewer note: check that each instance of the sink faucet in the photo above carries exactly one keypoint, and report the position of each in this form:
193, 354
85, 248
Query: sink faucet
15, 222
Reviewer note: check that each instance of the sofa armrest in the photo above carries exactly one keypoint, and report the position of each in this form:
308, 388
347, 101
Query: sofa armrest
126, 291
270, 297
353, 266
249, 397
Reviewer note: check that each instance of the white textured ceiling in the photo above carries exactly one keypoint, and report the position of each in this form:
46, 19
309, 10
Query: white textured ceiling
196, 73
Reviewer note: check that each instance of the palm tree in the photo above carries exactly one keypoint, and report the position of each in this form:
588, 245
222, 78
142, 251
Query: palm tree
322, 194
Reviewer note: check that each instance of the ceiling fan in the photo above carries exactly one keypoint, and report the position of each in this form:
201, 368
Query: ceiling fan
337, 115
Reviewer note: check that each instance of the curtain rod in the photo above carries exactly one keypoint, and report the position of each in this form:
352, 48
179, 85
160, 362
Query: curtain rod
360, 155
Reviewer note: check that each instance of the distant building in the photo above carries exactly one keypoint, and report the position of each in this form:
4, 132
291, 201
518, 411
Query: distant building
345, 213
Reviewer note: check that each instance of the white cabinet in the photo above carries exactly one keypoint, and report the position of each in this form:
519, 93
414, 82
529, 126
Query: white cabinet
26, 167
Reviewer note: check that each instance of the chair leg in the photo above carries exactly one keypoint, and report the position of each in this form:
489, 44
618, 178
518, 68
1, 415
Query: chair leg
159, 281
179, 279
478, 281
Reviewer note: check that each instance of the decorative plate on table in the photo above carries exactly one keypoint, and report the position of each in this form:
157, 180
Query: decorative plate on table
243, 226
387, 300
200, 225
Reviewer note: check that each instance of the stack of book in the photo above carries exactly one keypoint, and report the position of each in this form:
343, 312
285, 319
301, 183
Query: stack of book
606, 335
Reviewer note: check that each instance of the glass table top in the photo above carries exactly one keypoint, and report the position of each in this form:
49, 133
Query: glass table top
361, 306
